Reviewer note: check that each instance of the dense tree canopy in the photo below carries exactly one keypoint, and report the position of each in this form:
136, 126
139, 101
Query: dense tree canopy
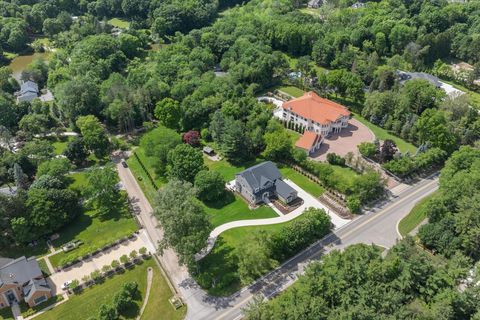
183, 219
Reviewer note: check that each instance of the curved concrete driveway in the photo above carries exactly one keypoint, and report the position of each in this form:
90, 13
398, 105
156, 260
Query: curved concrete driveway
308, 201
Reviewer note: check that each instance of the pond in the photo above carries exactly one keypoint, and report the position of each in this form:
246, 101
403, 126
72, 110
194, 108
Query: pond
21, 62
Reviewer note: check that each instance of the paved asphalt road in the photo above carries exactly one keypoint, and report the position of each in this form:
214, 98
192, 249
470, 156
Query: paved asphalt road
378, 226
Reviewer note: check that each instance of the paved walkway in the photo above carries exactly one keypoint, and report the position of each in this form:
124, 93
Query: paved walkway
65, 299
308, 201
86, 267
17, 314
147, 293
49, 265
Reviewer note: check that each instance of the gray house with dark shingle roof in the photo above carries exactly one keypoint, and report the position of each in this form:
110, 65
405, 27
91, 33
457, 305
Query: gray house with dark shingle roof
28, 91
405, 76
262, 181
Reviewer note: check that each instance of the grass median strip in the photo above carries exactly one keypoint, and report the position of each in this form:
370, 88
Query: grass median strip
415, 217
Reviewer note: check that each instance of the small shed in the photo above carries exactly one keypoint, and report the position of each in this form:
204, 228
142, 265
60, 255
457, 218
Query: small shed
208, 151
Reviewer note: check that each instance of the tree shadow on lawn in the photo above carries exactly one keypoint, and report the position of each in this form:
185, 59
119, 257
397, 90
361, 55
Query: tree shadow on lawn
132, 311
69, 232
218, 271
227, 198
118, 210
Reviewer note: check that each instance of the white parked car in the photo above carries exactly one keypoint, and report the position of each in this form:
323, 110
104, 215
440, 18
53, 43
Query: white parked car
65, 285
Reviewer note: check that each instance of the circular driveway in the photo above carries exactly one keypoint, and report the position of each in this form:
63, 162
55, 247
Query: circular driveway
345, 141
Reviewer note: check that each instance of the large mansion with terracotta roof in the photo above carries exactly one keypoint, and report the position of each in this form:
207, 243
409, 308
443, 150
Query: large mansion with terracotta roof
319, 117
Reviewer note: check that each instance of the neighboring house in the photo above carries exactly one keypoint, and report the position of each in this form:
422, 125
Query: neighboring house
262, 181
404, 76
449, 89
22, 279
28, 91
315, 114
310, 142
358, 5
314, 4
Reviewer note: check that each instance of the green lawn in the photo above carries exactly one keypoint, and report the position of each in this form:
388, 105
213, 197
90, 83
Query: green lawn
303, 182
79, 180
220, 265
141, 175
43, 266
61, 144
158, 306
344, 174
311, 11
228, 170
233, 207
119, 23
95, 232
291, 90
415, 217
383, 134
87, 303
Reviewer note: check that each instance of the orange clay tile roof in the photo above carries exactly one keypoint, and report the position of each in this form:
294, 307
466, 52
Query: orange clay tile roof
312, 106
308, 140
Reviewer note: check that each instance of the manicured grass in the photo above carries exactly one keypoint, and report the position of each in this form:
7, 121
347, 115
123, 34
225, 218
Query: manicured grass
291, 90
119, 23
43, 266
311, 11
27, 311
92, 230
79, 180
233, 207
228, 170
158, 306
221, 264
141, 175
415, 217
61, 144
345, 174
383, 134
303, 182
87, 303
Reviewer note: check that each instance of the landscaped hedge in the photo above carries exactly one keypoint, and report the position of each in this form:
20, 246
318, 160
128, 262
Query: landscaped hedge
365, 187
407, 166
313, 224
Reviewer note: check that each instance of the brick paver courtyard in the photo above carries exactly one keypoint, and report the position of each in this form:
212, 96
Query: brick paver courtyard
345, 141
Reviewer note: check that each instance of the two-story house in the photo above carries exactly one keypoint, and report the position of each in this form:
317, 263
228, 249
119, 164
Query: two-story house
319, 116
22, 279
262, 181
